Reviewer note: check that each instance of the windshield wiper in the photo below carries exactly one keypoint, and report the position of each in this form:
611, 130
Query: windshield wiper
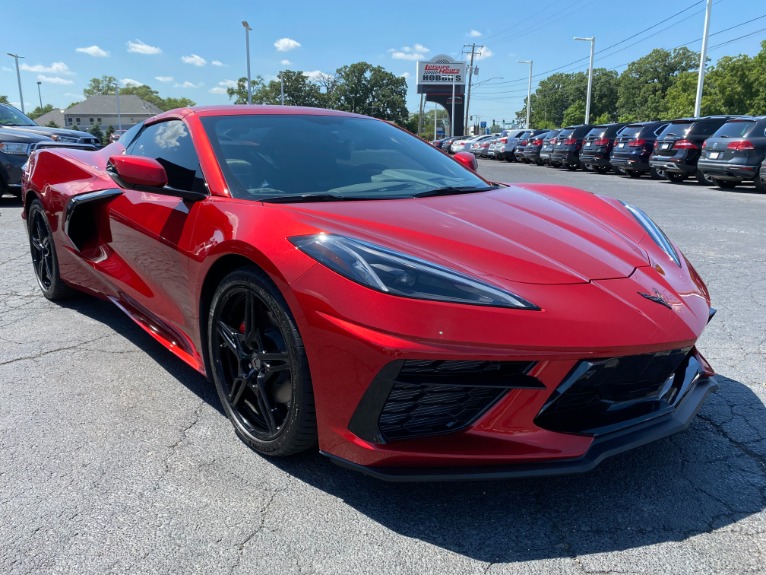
451, 191
304, 198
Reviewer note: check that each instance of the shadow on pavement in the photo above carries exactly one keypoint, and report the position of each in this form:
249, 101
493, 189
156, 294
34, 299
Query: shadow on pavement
708, 477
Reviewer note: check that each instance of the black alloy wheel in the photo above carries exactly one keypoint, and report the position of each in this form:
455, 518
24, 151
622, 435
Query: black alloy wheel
43, 251
259, 366
675, 177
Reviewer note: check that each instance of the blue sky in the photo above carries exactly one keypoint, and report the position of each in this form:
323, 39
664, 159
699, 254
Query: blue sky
197, 50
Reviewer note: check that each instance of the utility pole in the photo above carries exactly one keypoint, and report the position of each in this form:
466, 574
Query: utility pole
473, 47
18, 78
703, 57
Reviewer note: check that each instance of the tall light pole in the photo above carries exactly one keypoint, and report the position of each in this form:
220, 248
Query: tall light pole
281, 89
592, 41
703, 57
18, 79
529, 92
247, 48
40, 95
117, 95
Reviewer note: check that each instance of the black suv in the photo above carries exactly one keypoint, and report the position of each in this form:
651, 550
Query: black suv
535, 145
519, 152
19, 135
734, 153
566, 152
634, 146
597, 147
678, 147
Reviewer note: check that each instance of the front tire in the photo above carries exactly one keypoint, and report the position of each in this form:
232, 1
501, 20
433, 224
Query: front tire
675, 177
43, 251
259, 365
724, 184
703, 179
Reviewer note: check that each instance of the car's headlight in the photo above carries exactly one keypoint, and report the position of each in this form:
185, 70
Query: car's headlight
654, 231
398, 274
14, 148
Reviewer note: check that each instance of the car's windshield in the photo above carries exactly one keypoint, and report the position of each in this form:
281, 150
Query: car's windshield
10, 116
278, 156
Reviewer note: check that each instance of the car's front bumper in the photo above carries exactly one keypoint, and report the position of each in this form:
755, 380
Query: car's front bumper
603, 446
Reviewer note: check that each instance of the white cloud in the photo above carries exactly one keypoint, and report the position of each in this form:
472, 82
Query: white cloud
94, 51
285, 62
485, 53
194, 60
130, 82
138, 47
286, 44
416, 52
314, 75
474, 34
188, 84
55, 68
217, 63
53, 80
220, 88
164, 78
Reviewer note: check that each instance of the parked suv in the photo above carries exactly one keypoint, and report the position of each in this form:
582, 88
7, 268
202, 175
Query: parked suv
535, 144
566, 152
733, 154
19, 135
597, 147
512, 140
634, 146
678, 147
549, 142
519, 152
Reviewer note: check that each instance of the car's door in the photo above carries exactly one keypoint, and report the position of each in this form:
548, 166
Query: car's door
152, 233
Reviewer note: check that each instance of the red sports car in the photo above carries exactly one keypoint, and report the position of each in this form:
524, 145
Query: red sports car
376, 296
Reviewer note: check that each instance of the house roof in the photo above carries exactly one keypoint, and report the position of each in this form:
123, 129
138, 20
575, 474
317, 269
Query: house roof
103, 105
55, 116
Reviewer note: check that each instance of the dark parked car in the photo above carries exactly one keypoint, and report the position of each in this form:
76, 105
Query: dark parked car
546, 149
734, 153
678, 147
519, 153
533, 147
634, 146
19, 135
566, 152
597, 147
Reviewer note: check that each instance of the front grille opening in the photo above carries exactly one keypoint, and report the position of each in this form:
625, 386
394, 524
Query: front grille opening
431, 397
602, 395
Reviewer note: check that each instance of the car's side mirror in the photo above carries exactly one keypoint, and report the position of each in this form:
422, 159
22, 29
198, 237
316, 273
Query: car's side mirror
138, 171
467, 160
147, 175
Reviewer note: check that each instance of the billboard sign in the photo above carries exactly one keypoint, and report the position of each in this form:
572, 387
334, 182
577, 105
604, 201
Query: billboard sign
439, 73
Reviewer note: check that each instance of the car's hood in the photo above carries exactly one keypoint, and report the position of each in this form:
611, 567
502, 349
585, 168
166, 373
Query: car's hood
16, 135
50, 132
545, 235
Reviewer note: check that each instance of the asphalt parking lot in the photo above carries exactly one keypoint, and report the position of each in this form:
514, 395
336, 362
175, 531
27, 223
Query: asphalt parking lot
116, 458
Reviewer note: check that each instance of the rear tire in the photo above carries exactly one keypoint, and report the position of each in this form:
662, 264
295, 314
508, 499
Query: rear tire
44, 258
760, 185
724, 184
703, 179
633, 173
656, 174
675, 177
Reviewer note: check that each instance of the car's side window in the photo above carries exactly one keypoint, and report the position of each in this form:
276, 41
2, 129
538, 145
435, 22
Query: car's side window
171, 145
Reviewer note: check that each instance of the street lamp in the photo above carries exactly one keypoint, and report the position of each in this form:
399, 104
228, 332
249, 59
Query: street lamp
592, 41
18, 78
529, 91
281, 88
40, 95
247, 48
117, 94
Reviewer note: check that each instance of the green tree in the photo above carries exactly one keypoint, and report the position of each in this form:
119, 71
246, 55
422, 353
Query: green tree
103, 86
371, 90
38, 111
239, 92
298, 91
107, 85
645, 82
4, 99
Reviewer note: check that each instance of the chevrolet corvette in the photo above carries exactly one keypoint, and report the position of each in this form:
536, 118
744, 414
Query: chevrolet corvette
376, 298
